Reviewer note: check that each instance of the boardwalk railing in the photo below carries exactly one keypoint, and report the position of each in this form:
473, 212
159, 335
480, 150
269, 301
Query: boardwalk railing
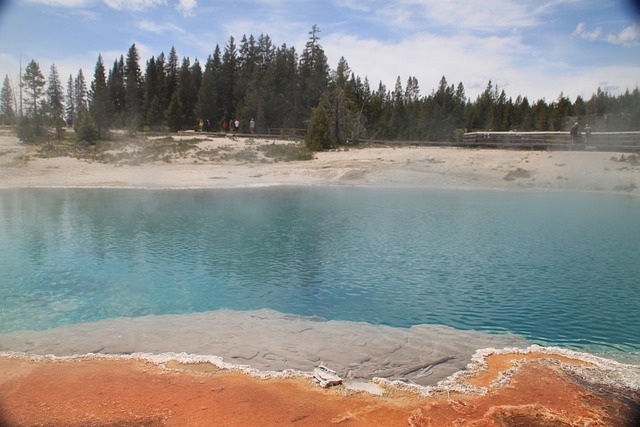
290, 132
597, 141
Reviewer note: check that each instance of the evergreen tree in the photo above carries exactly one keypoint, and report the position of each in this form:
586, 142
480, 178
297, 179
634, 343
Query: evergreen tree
86, 128
579, 107
247, 77
196, 76
100, 105
55, 101
187, 93
337, 105
80, 95
218, 113
376, 111
116, 85
133, 89
70, 113
228, 77
30, 126
154, 92
397, 121
207, 107
265, 52
500, 113
314, 70
541, 113
173, 114
412, 91
35, 83
318, 136
7, 103
171, 73
281, 90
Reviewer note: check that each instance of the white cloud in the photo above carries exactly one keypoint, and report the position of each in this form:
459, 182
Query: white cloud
581, 31
629, 36
462, 58
489, 16
159, 28
186, 7
62, 3
279, 29
133, 4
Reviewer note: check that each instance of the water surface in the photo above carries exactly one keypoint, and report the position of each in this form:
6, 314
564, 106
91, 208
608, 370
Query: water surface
557, 268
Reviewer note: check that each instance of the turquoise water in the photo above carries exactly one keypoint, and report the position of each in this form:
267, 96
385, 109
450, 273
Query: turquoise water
558, 268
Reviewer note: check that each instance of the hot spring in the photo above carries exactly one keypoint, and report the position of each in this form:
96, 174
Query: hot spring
556, 268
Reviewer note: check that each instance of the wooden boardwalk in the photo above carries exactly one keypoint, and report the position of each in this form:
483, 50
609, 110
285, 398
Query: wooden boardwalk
597, 141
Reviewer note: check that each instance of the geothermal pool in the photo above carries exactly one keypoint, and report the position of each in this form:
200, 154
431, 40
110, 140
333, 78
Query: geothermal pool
553, 268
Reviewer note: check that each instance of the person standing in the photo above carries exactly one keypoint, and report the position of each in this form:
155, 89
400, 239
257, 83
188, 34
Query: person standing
575, 132
587, 132
252, 126
237, 125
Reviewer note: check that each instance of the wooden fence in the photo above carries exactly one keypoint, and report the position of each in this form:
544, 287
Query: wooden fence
288, 132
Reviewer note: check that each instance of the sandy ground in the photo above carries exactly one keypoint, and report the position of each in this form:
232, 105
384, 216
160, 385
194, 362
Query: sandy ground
20, 166
542, 390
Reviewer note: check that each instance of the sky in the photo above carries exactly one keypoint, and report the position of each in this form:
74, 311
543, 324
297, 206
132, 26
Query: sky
533, 48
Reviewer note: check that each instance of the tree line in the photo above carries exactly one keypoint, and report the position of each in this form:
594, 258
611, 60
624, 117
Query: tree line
280, 88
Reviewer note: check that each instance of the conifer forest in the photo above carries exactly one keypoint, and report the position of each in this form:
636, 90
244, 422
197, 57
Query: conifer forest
281, 88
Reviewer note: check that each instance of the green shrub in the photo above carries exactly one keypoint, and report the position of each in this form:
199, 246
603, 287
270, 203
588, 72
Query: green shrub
286, 152
29, 129
319, 131
86, 130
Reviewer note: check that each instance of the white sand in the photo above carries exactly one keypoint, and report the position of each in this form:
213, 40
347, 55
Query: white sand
271, 341
378, 166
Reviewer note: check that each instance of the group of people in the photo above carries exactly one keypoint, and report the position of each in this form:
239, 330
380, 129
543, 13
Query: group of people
575, 132
227, 126
234, 126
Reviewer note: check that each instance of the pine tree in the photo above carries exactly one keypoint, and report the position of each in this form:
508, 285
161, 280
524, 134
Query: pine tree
412, 91
100, 103
70, 113
35, 83
187, 93
171, 73
86, 129
218, 113
55, 101
314, 70
79, 95
154, 90
7, 102
115, 83
247, 68
30, 126
228, 77
281, 91
133, 89
336, 103
173, 114
206, 107
265, 52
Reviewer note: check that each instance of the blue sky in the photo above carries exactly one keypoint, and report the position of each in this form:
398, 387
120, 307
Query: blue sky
534, 48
